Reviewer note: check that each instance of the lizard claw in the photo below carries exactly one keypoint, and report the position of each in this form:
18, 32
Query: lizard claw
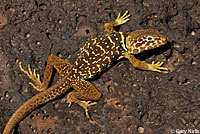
32, 75
88, 103
122, 19
70, 103
157, 67
85, 105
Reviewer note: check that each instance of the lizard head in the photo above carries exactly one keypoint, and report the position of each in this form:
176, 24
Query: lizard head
141, 40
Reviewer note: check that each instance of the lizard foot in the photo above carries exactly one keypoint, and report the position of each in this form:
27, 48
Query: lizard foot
122, 19
157, 67
83, 104
33, 76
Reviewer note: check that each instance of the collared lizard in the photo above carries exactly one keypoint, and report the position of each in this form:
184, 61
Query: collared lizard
96, 55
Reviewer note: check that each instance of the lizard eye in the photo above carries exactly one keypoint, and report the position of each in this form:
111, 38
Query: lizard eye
149, 38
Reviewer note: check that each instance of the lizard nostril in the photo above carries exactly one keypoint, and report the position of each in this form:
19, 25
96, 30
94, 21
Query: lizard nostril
164, 39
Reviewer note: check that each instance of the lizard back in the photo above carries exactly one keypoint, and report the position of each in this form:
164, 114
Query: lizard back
98, 54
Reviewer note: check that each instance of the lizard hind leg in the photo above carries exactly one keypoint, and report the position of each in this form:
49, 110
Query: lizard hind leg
86, 93
59, 64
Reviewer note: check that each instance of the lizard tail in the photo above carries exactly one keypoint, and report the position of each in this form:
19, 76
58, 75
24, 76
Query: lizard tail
37, 100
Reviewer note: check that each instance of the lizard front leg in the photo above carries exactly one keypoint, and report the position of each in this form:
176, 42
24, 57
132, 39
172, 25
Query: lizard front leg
86, 92
110, 26
59, 64
144, 66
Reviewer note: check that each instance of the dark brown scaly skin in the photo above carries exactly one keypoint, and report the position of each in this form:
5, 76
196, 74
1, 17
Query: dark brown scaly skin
96, 55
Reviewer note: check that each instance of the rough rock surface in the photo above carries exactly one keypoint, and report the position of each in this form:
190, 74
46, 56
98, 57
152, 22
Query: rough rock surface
133, 101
